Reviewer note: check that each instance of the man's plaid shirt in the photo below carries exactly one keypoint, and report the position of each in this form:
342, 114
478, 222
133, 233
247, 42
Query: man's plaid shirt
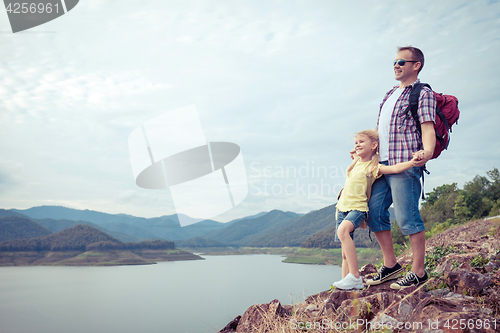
404, 138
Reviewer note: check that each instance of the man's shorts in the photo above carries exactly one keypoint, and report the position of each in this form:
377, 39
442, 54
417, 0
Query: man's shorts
403, 189
355, 216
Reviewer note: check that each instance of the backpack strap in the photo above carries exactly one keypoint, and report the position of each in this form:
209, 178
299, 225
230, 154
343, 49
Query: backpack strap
413, 107
370, 179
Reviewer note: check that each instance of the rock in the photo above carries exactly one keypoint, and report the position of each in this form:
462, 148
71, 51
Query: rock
438, 314
437, 311
451, 296
231, 327
383, 320
312, 307
464, 280
492, 266
358, 307
439, 292
453, 260
490, 245
496, 278
318, 298
368, 269
405, 309
261, 316
336, 297
465, 265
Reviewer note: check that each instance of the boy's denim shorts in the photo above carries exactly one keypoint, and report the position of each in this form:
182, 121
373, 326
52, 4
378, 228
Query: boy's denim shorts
355, 216
403, 189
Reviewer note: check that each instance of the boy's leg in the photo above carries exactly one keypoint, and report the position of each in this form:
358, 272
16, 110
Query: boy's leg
346, 227
345, 265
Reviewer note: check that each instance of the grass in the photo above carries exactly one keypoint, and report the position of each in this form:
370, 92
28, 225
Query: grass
433, 258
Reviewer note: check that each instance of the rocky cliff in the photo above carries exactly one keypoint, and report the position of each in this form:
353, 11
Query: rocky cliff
462, 295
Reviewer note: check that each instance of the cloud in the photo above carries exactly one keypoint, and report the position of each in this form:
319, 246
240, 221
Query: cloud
289, 83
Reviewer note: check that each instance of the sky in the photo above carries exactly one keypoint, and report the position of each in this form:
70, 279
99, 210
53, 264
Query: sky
290, 82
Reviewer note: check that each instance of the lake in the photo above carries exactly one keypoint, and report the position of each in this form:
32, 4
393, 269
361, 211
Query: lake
169, 297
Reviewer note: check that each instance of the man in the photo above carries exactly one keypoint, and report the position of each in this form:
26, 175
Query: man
399, 140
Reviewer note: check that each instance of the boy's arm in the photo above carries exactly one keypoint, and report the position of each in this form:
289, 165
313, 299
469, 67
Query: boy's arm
397, 168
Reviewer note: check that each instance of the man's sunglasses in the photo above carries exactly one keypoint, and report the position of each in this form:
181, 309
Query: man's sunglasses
402, 62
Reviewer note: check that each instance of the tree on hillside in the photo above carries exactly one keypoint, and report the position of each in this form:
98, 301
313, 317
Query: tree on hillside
439, 205
449, 205
493, 191
462, 212
475, 196
397, 235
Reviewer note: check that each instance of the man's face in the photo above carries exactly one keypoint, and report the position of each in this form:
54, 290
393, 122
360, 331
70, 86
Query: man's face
408, 70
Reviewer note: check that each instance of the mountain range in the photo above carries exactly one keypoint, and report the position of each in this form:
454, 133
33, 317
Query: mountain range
266, 229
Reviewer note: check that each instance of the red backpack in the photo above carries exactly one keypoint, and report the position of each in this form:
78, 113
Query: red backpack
447, 115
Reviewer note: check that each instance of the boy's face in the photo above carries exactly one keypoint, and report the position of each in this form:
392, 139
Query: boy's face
364, 146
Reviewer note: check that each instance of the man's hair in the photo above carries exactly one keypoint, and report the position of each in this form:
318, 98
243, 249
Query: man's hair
417, 54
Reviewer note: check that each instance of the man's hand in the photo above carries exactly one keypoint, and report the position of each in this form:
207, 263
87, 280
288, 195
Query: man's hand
421, 157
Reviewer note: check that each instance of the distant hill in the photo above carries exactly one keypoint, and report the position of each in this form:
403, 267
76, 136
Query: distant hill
164, 227
326, 238
16, 227
79, 238
59, 225
243, 232
5, 212
247, 217
198, 242
124, 228
300, 230
266, 229
99, 218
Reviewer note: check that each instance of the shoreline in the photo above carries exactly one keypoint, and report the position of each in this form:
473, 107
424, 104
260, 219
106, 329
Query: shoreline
296, 255
93, 258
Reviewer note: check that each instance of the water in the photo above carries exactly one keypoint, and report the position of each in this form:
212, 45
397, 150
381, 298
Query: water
169, 297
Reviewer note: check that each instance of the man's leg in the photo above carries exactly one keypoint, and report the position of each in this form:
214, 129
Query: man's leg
379, 219
384, 238
418, 247
379, 222
406, 190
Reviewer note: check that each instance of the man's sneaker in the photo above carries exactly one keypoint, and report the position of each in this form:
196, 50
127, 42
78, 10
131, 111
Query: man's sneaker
350, 282
410, 279
385, 274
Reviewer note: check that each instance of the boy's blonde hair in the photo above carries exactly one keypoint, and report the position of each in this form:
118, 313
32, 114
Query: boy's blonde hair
373, 136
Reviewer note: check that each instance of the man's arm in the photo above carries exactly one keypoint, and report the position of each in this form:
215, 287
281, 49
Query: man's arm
429, 141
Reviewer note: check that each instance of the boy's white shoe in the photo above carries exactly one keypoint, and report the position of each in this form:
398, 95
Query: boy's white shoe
349, 282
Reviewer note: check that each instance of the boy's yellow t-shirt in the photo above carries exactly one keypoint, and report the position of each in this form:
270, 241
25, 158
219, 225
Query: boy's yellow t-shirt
354, 194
